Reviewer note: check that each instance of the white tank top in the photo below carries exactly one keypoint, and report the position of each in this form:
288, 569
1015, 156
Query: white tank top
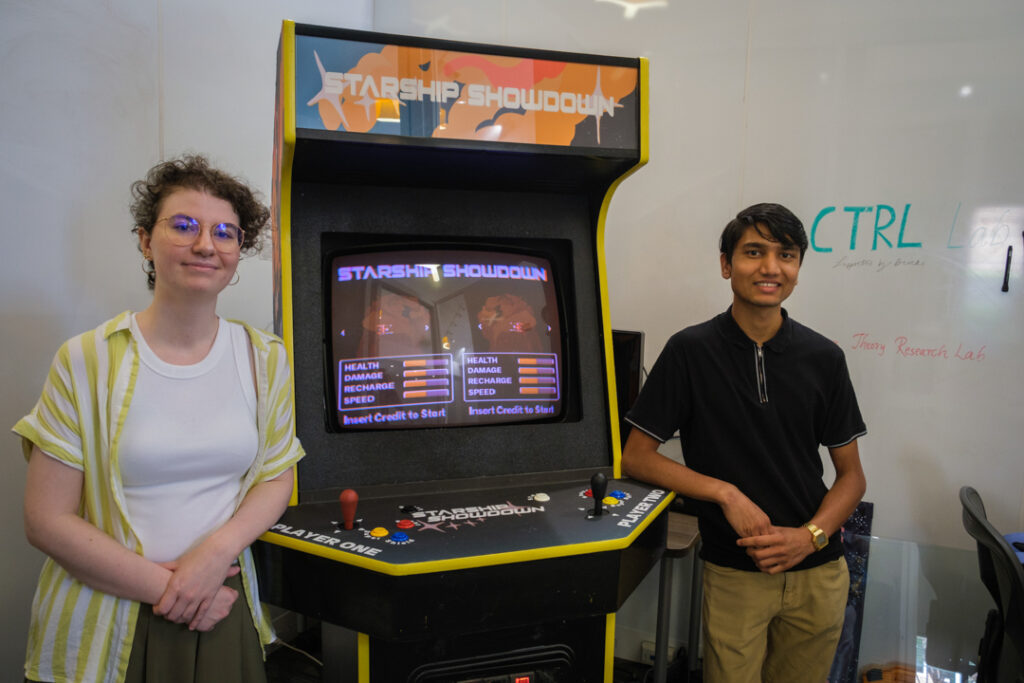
187, 441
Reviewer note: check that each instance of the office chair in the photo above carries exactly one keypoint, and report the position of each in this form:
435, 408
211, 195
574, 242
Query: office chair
1002, 647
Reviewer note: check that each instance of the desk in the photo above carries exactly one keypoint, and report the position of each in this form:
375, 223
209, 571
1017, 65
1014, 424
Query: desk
682, 539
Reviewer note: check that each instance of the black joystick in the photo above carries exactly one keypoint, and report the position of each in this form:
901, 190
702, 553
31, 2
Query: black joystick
598, 487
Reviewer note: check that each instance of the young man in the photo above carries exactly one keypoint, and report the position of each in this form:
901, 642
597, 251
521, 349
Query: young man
753, 395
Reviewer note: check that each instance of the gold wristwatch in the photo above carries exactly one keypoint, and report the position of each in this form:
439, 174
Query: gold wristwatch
818, 537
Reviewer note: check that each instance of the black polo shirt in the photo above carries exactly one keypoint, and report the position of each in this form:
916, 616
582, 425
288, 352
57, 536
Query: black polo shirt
755, 419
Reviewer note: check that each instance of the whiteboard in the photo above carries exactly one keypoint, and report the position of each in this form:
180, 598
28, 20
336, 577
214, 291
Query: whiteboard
906, 117
897, 136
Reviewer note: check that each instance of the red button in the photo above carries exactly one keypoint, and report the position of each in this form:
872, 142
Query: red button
405, 524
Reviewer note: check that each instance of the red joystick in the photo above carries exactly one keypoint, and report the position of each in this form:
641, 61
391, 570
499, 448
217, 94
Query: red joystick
348, 499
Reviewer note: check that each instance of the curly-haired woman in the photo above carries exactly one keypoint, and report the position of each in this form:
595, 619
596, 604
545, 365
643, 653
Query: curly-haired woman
161, 447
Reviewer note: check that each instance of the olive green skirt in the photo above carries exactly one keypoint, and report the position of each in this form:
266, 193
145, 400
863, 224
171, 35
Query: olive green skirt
165, 652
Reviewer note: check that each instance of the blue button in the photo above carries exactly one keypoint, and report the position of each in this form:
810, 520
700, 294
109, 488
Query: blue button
621, 495
400, 536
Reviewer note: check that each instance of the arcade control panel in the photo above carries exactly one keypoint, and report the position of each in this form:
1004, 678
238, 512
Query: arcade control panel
437, 531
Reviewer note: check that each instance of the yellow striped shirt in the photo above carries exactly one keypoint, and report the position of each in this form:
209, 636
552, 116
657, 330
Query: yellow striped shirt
78, 634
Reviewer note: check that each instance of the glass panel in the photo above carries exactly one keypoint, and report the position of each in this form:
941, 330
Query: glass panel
924, 610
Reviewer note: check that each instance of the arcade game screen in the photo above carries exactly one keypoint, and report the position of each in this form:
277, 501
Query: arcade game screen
443, 337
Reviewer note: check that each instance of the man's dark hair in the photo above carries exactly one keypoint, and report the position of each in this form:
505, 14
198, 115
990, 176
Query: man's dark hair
782, 226
194, 172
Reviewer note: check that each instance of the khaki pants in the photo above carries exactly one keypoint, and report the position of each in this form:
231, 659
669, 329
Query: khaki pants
772, 628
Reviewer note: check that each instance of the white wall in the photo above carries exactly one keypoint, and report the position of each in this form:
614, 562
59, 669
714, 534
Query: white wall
91, 95
813, 104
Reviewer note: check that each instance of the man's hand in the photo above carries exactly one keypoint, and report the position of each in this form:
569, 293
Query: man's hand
743, 515
782, 548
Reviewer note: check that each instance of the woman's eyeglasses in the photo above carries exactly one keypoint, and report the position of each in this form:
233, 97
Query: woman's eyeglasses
183, 230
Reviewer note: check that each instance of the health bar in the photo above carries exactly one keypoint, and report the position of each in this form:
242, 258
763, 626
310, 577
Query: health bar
425, 363
535, 361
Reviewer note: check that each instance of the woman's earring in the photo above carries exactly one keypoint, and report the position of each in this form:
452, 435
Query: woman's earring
235, 281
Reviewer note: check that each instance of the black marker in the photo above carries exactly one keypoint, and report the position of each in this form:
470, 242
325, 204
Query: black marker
1006, 274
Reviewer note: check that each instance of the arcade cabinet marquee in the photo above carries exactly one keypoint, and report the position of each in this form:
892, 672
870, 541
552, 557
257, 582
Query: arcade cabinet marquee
439, 281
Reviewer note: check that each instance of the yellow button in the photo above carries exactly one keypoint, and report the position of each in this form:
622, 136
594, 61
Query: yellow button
610, 500
379, 532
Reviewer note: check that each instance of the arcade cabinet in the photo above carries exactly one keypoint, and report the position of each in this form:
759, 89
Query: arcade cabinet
440, 284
